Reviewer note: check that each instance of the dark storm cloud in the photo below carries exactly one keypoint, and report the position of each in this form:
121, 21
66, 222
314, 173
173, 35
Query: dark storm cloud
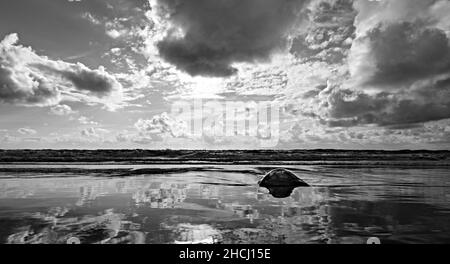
97, 82
218, 33
407, 52
350, 108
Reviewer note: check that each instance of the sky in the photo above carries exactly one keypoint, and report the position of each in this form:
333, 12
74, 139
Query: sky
349, 74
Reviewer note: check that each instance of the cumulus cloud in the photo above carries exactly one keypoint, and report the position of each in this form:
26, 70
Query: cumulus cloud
61, 110
86, 121
27, 131
208, 36
92, 132
27, 78
329, 34
19, 83
122, 137
161, 126
89, 132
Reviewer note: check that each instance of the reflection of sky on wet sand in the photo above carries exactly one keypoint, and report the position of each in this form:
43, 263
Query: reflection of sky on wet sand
343, 206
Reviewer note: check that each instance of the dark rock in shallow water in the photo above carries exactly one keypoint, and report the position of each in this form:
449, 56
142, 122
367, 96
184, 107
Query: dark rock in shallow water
282, 178
280, 192
281, 183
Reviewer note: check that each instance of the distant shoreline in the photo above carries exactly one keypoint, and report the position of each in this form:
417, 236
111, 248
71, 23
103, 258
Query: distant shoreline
229, 157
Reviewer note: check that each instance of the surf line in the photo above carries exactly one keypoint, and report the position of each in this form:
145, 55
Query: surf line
196, 254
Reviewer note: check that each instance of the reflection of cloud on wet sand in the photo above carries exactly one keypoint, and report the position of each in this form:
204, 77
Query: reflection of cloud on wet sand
54, 228
160, 195
288, 220
194, 234
344, 206
201, 213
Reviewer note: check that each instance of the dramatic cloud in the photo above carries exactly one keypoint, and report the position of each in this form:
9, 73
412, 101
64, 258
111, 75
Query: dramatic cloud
97, 82
208, 36
30, 79
18, 83
399, 68
398, 54
350, 108
400, 44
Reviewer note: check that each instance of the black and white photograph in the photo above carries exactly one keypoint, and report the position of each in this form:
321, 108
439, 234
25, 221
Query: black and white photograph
233, 122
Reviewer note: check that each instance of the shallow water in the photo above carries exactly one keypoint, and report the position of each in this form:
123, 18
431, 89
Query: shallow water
223, 204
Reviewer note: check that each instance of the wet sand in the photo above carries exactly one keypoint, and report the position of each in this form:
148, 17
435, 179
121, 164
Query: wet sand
221, 204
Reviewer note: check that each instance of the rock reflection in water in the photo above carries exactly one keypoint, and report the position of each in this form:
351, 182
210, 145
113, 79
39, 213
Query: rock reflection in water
281, 191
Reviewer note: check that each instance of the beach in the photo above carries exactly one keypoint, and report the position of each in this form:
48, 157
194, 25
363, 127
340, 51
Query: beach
222, 203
